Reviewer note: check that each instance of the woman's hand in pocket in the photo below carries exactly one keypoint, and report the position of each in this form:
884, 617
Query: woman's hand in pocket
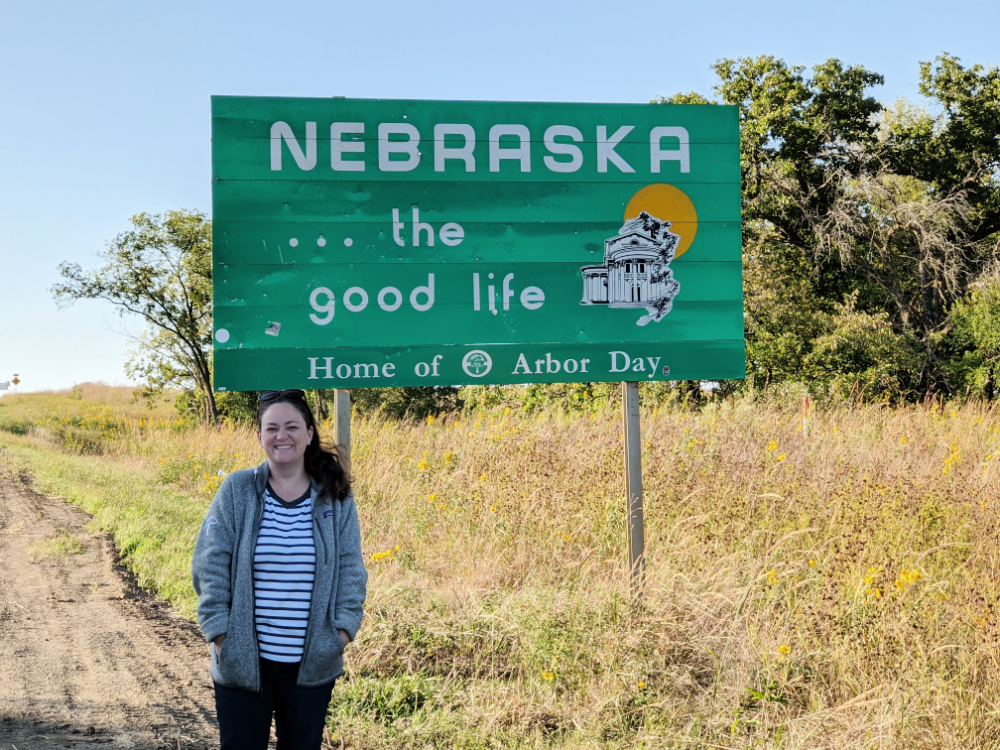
217, 642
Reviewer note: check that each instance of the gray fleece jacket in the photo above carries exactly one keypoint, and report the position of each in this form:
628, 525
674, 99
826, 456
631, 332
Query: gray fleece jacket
222, 570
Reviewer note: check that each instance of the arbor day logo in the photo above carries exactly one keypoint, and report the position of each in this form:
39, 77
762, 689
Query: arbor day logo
477, 363
659, 225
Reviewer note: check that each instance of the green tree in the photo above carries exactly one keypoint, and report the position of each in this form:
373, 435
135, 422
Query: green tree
160, 270
410, 401
976, 319
957, 147
783, 314
859, 355
846, 202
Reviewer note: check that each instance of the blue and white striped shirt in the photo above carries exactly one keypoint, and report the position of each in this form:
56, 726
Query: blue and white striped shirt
284, 570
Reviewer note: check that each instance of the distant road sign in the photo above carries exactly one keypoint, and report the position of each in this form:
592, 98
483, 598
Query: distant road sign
372, 243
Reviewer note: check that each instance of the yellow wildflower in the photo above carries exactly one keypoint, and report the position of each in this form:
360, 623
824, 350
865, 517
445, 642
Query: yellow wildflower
784, 649
773, 445
870, 588
907, 577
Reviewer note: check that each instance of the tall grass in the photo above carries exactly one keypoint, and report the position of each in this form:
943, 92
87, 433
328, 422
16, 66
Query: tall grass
829, 587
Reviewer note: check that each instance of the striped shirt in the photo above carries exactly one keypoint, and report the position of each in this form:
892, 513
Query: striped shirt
284, 569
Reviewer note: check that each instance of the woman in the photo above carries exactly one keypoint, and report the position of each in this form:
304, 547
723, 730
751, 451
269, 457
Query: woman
281, 582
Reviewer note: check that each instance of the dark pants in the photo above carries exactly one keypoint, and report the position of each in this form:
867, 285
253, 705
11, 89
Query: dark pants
299, 712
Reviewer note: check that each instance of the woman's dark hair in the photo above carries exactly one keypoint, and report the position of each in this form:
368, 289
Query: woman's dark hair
325, 464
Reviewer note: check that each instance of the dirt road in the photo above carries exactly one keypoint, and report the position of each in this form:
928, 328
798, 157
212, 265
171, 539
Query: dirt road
86, 658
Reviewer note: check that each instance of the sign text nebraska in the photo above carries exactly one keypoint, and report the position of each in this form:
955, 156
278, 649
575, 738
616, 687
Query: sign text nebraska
398, 147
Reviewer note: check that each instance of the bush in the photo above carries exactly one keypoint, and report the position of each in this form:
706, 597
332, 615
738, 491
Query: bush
417, 402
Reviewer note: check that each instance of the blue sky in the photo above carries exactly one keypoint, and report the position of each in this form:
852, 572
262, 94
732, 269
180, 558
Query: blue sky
105, 105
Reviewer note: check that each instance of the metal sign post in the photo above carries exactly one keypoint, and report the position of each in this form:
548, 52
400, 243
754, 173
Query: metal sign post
342, 421
633, 482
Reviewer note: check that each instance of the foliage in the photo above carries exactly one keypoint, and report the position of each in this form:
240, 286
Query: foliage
582, 397
958, 149
893, 209
490, 397
861, 355
237, 406
161, 270
416, 402
783, 314
977, 330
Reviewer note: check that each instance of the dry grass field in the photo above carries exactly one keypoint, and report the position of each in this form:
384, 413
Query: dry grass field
829, 587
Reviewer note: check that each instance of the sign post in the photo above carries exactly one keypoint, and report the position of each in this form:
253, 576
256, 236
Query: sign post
633, 482
362, 243
342, 420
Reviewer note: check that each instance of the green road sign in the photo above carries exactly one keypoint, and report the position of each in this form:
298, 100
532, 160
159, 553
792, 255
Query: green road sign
369, 243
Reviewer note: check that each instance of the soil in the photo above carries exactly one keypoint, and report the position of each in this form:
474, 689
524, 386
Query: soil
87, 658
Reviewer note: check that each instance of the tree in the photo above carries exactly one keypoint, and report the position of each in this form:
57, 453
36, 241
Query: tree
861, 356
893, 212
161, 270
417, 402
958, 147
907, 241
977, 327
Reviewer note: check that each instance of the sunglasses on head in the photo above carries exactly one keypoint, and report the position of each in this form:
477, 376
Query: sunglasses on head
266, 396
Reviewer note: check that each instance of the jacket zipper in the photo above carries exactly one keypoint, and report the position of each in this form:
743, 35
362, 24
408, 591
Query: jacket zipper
253, 593
317, 534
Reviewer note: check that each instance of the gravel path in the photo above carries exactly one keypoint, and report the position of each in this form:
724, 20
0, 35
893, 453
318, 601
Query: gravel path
87, 659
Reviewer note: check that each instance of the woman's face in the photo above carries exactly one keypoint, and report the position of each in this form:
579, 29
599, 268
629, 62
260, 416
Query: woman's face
283, 434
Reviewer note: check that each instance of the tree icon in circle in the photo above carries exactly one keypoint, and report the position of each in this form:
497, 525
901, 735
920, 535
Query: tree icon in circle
477, 363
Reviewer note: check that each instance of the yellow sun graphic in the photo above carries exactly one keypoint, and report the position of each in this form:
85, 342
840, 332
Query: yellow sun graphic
667, 203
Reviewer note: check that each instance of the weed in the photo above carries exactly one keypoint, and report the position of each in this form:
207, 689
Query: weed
61, 546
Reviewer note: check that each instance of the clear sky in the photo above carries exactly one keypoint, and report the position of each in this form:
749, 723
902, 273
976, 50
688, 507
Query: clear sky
104, 106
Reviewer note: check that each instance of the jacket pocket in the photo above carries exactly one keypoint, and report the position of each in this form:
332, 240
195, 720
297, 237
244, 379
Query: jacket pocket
222, 670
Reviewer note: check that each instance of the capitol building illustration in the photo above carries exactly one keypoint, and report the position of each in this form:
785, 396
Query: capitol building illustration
636, 271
